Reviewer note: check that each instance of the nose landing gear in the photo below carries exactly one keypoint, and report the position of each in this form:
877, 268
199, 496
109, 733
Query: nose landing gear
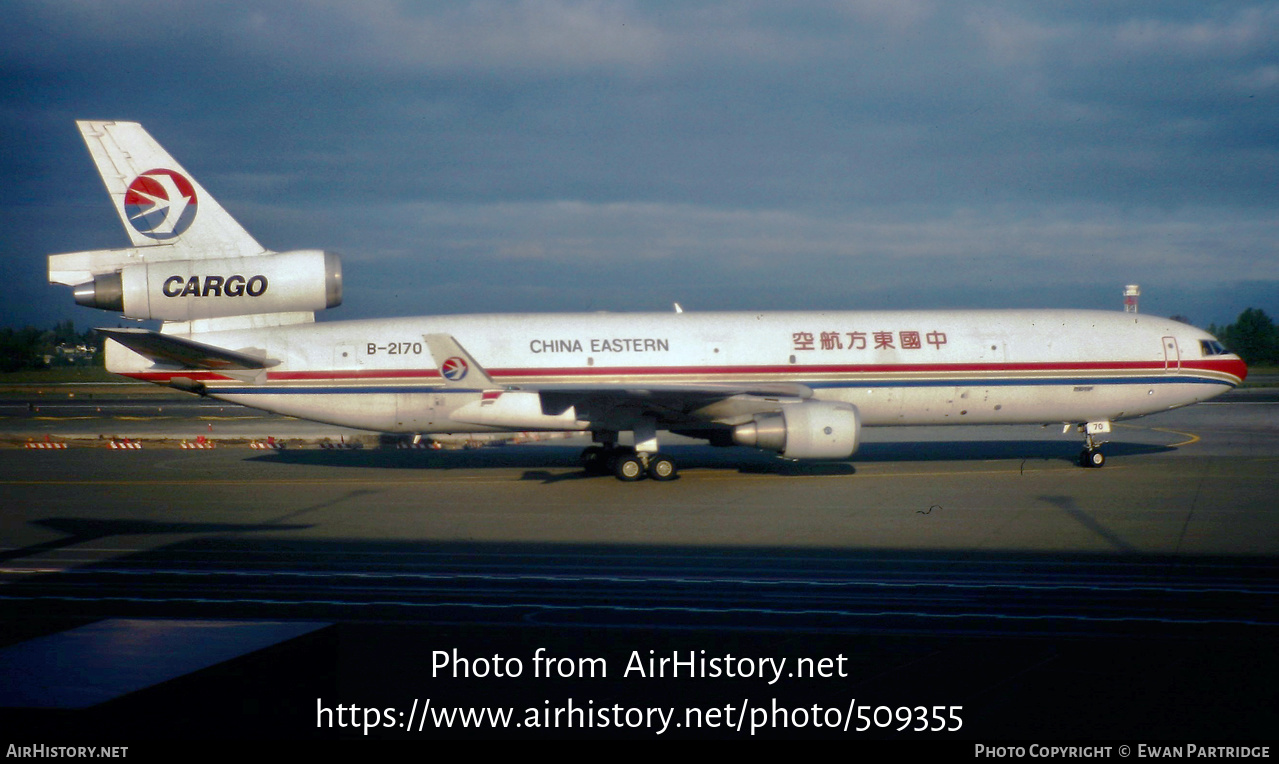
1092, 456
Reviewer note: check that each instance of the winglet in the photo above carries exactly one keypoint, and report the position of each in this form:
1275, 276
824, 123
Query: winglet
457, 367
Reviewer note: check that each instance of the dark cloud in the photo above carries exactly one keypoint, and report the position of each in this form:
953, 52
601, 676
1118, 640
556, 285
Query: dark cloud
623, 155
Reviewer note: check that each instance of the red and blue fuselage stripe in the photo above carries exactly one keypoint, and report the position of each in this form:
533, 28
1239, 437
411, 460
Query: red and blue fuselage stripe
1227, 372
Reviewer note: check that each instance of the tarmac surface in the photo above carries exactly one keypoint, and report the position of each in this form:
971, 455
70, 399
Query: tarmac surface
969, 566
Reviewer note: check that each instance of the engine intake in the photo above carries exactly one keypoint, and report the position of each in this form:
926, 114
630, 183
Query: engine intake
808, 430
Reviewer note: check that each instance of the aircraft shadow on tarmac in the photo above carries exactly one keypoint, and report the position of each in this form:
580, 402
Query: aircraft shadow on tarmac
1058, 664
539, 460
960, 450
78, 530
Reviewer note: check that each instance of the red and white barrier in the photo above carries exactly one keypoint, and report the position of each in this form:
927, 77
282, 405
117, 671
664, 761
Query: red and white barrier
270, 444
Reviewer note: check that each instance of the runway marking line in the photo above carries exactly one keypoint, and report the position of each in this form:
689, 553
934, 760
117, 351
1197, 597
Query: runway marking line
1193, 438
952, 473
30, 571
252, 483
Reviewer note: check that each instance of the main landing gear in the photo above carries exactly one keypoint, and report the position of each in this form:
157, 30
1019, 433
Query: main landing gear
629, 463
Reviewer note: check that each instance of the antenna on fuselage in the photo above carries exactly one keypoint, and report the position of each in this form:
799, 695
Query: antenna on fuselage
1131, 293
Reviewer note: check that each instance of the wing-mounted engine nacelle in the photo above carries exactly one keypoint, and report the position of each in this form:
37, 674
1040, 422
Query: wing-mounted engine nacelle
186, 290
808, 430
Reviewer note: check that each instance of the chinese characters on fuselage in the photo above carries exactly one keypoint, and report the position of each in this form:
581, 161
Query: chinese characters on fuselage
879, 340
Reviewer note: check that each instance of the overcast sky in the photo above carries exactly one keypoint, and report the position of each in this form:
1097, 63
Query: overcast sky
549, 156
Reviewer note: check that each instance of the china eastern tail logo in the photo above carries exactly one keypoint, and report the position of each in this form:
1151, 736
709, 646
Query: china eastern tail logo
453, 369
160, 204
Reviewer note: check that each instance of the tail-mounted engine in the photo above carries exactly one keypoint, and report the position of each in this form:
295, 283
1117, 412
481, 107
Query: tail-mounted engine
808, 430
186, 290
190, 259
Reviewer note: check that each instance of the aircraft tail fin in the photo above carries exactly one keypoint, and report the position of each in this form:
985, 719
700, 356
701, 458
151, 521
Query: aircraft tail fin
157, 200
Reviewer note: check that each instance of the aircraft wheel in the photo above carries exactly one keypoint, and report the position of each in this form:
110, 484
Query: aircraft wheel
661, 468
594, 461
1092, 457
628, 468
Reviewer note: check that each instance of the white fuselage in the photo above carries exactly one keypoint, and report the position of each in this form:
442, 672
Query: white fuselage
897, 368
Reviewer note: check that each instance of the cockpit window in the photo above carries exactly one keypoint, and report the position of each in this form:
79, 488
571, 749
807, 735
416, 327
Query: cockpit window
1212, 347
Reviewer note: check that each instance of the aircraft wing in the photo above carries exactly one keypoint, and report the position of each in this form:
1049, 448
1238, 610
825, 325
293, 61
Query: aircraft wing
676, 403
188, 354
603, 403
618, 406
641, 391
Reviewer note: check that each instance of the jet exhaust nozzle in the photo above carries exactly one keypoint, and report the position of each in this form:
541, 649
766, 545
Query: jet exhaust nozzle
105, 292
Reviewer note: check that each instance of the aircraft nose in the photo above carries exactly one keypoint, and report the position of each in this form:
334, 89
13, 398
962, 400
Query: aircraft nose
1239, 369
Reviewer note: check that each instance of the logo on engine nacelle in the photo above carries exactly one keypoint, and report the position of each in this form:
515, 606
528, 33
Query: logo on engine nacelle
214, 286
160, 204
453, 369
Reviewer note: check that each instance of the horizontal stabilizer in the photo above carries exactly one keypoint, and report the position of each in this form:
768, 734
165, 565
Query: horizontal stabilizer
168, 349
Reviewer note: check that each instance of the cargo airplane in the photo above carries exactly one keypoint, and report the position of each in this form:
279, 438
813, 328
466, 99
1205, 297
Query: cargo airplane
238, 324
